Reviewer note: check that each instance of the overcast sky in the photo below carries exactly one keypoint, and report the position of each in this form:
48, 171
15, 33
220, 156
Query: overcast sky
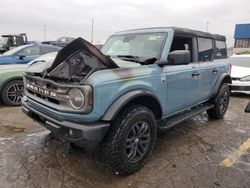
73, 17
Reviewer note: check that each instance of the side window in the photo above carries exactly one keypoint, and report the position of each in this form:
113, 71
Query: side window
45, 50
205, 49
30, 51
220, 49
183, 43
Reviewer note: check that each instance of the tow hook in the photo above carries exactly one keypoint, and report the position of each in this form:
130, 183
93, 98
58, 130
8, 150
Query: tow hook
52, 136
72, 149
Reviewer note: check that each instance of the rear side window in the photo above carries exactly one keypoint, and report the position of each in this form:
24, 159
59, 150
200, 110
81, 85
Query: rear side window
220, 49
205, 47
45, 50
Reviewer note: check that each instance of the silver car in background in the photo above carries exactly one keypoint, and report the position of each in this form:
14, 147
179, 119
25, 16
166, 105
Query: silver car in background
240, 73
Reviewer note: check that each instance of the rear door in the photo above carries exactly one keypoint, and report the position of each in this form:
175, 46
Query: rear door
220, 60
205, 58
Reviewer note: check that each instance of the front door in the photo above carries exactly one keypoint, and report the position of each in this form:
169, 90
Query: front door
183, 80
182, 86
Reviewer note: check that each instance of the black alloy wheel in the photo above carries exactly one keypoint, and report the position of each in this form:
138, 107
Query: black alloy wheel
129, 141
137, 141
221, 102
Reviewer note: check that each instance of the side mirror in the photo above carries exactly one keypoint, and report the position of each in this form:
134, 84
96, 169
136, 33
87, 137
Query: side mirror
248, 108
179, 57
21, 55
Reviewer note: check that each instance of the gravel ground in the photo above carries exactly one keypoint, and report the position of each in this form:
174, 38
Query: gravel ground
198, 153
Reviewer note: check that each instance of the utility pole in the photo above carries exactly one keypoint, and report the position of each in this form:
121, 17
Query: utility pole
44, 32
92, 31
207, 26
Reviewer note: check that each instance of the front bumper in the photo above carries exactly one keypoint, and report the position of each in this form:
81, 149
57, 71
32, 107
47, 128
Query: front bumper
240, 87
87, 135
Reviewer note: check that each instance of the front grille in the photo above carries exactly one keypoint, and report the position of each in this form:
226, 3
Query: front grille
235, 79
45, 90
240, 88
55, 101
55, 95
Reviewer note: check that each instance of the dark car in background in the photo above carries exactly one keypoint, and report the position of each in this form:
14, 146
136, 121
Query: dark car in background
62, 41
26, 53
8, 42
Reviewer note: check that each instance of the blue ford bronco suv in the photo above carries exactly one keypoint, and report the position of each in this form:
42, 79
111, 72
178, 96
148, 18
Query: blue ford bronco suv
115, 100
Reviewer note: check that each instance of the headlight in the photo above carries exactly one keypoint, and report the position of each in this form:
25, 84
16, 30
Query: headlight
245, 79
76, 98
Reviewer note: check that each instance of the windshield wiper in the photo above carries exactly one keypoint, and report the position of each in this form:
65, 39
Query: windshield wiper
149, 61
130, 58
136, 59
140, 60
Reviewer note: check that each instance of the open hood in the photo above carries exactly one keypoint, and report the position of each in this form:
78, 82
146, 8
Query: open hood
75, 61
77, 45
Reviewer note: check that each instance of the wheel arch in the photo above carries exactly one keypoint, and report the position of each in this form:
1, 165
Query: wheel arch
224, 78
141, 97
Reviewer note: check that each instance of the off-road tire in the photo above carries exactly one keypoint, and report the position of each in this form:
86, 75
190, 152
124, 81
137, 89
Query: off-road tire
6, 89
113, 151
221, 102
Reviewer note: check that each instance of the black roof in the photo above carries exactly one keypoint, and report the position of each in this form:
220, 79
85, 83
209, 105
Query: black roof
177, 30
185, 31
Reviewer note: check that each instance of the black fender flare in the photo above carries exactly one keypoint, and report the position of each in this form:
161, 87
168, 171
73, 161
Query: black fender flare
224, 77
124, 99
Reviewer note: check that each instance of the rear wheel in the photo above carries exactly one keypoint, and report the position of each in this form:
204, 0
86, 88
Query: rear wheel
129, 141
12, 92
220, 102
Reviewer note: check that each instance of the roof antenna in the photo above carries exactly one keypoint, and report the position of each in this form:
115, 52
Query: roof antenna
44, 32
207, 26
92, 30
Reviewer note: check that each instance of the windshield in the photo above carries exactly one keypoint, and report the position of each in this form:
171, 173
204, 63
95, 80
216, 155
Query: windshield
3, 41
140, 45
13, 51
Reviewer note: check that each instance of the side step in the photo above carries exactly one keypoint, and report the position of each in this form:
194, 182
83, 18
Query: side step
170, 122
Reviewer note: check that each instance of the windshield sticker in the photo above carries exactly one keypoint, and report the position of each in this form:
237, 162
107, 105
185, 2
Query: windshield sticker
153, 37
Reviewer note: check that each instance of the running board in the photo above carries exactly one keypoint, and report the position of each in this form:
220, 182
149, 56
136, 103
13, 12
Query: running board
170, 122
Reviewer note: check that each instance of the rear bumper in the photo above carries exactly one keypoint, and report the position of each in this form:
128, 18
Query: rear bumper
240, 87
87, 135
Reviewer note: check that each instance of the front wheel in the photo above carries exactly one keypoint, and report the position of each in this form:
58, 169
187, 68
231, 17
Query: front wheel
220, 102
130, 140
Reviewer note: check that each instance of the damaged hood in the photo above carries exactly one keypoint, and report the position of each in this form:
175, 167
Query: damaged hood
77, 45
71, 61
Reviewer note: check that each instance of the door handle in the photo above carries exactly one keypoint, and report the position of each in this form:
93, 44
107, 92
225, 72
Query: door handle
195, 74
216, 70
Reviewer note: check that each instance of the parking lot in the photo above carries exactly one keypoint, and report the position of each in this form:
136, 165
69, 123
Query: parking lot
198, 153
